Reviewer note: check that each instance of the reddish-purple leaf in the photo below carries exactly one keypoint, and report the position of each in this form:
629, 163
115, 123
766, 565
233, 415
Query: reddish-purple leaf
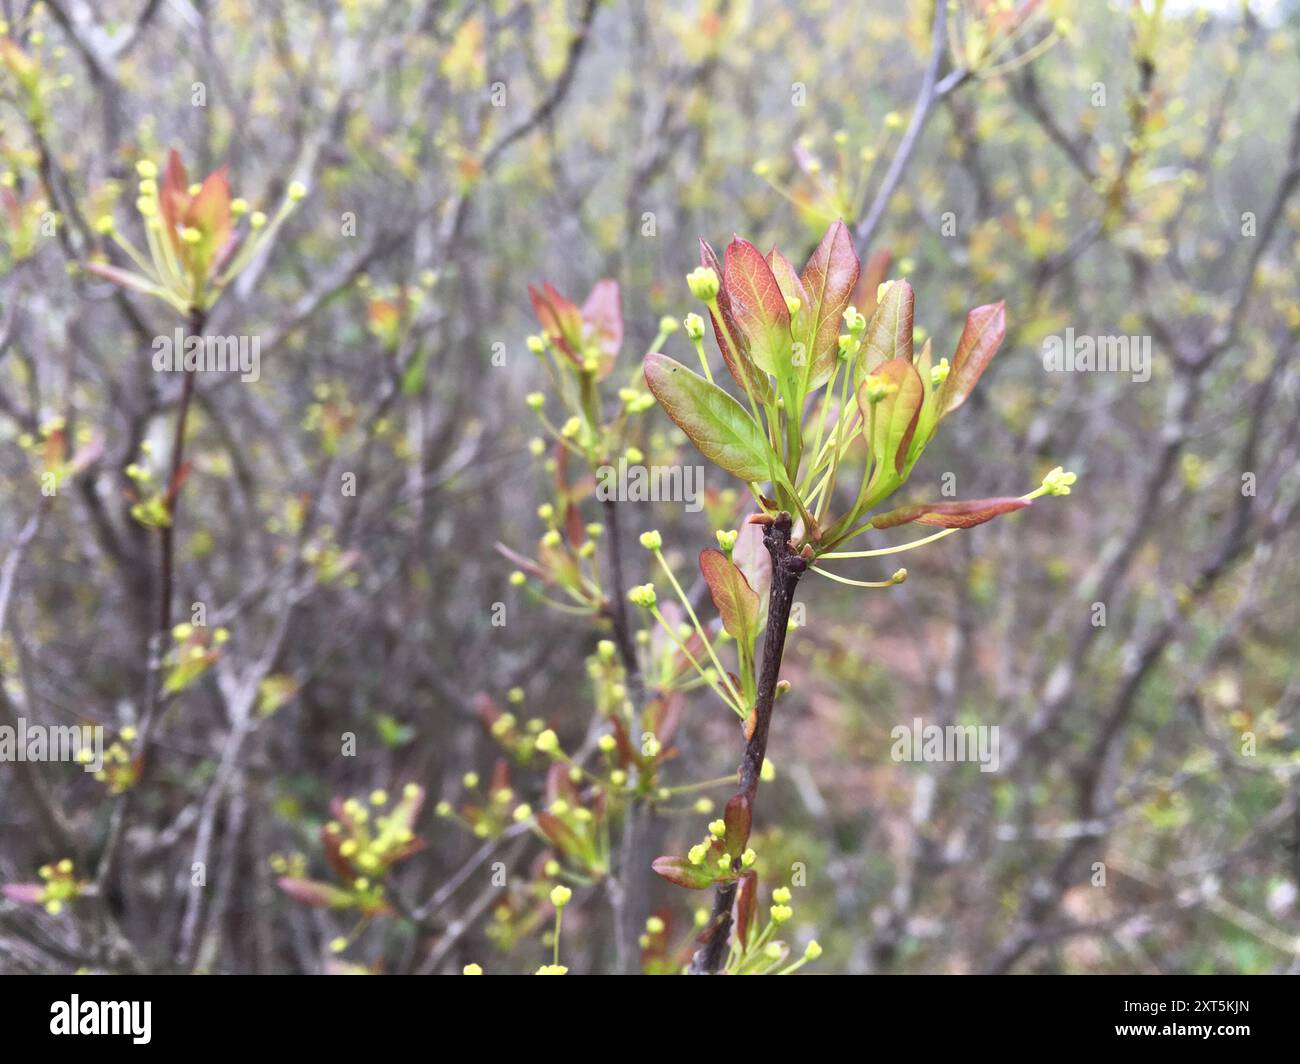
602, 315
787, 278
737, 603
873, 275
828, 281
560, 319
746, 904
757, 306
727, 333
23, 893
87, 454
559, 833
559, 786
966, 514
664, 715
751, 557
174, 197
739, 817
315, 893
980, 340
680, 871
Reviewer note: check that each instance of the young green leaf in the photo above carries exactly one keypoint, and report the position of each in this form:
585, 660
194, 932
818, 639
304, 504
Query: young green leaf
889, 332
720, 427
966, 514
737, 603
893, 420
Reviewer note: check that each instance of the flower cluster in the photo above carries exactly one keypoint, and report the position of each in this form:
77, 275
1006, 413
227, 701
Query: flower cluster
816, 397
194, 650
59, 886
195, 240
363, 842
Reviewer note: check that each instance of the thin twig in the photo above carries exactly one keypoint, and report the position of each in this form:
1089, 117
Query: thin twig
932, 90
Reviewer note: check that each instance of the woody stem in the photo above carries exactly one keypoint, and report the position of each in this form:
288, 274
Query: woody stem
787, 567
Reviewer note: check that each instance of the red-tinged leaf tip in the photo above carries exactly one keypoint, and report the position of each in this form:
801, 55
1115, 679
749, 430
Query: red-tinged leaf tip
560, 319
828, 279
209, 212
873, 275
602, 315
727, 332
789, 281
174, 195
313, 892
981, 337
680, 871
966, 514
757, 305
751, 557
23, 893
559, 833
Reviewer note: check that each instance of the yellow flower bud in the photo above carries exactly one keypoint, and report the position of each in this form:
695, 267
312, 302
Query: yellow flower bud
703, 283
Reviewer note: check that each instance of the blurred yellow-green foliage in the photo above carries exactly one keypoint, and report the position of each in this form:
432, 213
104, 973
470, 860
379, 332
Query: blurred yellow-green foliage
1108, 169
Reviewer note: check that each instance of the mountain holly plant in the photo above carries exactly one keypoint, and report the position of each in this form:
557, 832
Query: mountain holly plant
196, 246
817, 405
195, 250
829, 399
